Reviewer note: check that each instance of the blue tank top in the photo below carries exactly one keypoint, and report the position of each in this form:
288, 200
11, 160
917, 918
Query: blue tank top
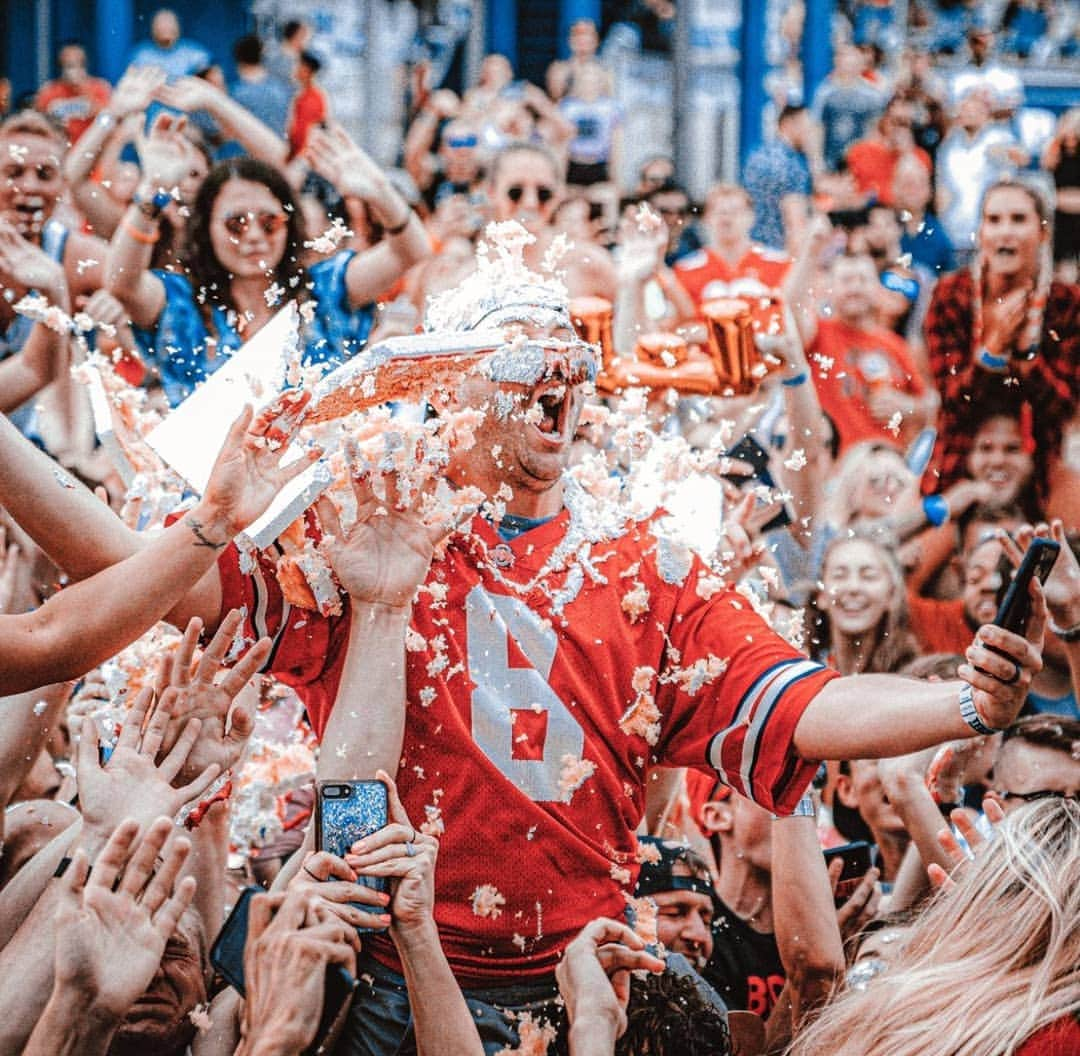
176, 347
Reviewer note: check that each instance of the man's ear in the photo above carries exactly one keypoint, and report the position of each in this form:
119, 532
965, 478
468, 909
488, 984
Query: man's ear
845, 791
717, 816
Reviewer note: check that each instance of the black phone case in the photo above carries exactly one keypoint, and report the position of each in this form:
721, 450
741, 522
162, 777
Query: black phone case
227, 958
1015, 607
750, 451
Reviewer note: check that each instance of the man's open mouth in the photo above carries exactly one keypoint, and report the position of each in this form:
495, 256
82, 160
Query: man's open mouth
552, 406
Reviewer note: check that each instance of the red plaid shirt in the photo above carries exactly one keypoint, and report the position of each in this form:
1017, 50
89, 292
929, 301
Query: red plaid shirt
1048, 385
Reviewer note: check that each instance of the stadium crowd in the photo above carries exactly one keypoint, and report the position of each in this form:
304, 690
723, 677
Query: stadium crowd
631, 682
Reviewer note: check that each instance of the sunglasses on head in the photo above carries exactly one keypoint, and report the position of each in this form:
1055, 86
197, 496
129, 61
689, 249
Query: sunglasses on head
517, 192
271, 223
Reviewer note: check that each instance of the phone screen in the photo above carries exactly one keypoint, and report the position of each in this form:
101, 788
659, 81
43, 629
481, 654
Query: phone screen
347, 811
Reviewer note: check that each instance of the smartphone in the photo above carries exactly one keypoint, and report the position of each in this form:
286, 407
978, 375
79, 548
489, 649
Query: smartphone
849, 219
858, 859
227, 957
347, 811
750, 451
1014, 607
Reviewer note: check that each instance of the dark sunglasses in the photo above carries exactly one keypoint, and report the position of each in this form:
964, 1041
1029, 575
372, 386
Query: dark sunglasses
1042, 793
517, 192
271, 223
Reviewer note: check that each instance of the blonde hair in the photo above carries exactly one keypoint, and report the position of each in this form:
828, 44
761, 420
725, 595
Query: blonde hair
991, 961
852, 475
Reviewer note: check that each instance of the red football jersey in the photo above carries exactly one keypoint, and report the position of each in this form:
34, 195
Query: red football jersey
847, 364
535, 705
707, 276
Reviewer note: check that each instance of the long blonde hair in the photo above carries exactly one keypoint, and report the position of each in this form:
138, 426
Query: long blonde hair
988, 964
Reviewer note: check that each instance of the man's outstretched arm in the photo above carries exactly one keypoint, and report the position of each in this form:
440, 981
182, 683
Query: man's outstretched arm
874, 716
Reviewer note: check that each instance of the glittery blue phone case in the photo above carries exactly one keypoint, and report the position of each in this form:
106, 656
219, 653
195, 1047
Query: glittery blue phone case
346, 812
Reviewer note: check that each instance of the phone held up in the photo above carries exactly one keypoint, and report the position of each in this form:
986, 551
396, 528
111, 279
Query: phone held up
858, 858
227, 957
347, 811
1014, 603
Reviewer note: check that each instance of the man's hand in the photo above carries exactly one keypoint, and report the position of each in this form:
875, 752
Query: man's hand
113, 922
247, 475
1001, 679
407, 857
135, 90
131, 784
386, 554
189, 94
202, 691
1062, 586
329, 879
964, 822
285, 962
594, 975
861, 905
25, 264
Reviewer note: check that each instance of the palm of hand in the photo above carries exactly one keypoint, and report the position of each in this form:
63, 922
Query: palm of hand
165, 161
130, 786
211, 704
244, 483
384, 559
110, 948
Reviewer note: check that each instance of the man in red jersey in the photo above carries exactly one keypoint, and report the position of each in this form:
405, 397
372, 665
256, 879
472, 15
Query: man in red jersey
522, 696
865, 375
731, 265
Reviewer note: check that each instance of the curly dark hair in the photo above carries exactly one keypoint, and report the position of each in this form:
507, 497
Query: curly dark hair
211, 282
667, 1016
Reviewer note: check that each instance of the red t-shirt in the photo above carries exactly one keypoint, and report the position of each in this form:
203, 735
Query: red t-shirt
707, 276
873, 166
1060, 1038
531, 721
74, 106
940, 626
309, 108
846, 364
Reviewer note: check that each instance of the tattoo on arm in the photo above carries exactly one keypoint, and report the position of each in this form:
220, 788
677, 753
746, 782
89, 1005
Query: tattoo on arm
196, 530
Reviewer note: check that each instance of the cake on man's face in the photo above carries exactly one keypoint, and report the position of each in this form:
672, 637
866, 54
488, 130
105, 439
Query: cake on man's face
504, 319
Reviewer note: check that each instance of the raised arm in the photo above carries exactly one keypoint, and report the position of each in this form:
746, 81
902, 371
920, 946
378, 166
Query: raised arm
380, 563
907, 715
165, 156
236, 122
334, 155
92, 620
807, 934
44, 356
101, 142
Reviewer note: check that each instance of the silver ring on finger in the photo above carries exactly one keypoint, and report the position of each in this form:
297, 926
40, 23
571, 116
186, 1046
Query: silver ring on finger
410, 849
1015, 676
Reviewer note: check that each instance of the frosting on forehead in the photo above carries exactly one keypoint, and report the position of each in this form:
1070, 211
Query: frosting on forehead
503, 288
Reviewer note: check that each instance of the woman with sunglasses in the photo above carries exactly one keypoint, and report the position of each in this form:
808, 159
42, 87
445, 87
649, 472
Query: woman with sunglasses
244, 261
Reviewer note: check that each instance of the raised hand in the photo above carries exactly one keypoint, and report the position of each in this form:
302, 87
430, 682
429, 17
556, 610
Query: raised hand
285, 962
1003, 319
334, 155
132, 784
1000, 677
975, 840
594, 973
113, 922
1062, 586
247, 474
164, 154
332, 883
135, 90
386, 554
407, 857
25, 264
208, 692
188, 94
861, 905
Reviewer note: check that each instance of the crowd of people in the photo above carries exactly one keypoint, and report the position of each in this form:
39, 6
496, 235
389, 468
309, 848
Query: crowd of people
650, 581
